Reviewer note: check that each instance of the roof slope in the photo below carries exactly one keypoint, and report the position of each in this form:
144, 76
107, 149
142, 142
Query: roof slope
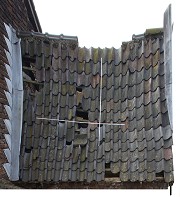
133, 93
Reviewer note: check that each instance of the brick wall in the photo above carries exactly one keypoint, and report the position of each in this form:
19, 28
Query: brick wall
14, 13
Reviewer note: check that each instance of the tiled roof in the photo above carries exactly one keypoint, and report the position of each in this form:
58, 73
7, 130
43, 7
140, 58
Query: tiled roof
133, 93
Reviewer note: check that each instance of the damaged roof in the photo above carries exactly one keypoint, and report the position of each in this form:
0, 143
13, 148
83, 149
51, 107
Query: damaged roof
67, 79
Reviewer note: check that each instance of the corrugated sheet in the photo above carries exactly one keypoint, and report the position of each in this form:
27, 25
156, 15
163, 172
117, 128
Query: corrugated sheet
133, 93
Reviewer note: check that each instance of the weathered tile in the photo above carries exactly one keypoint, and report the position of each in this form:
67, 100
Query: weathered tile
142, 145
133, 146
159, 144
65, 176
149, 134
100, 166
93, 146
150, 155
167, 132
35, 175
100, 177
169, 177
108, 146
168, 143
165, 119
117, 69
133, 155
115, 167
142, 176
140, 112
151, 176
159, 155
116, 156
140, 76
134, 124
124, 176
90, 176
82, 175
149, 123
149, 110
80, 139
151, 166
158, 133
132, 92
168, 165
134, 176
125, 155
142, 166
56, 175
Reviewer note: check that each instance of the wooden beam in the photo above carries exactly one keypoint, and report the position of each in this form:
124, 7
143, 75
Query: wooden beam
28, 68
33, 82
113, 179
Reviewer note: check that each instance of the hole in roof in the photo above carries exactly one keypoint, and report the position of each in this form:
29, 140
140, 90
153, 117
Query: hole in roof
82, 125
77, 131
107, 165
103, 140
79, 88
28, 150
29, 73
160, 174
82, 114
68, 143
108, 172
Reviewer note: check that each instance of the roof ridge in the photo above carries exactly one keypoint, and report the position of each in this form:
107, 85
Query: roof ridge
46, 35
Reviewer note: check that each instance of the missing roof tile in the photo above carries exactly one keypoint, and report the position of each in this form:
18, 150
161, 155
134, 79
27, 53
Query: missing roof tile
82, 114
28, 150
80, 88
160, 174
68, 143
108, 172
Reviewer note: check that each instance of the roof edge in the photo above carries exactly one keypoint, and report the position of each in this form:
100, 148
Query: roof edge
33, 14
154, 31
149, 32
46, 36
168, 60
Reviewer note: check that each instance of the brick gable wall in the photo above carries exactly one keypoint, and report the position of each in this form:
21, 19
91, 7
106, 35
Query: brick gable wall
14, 13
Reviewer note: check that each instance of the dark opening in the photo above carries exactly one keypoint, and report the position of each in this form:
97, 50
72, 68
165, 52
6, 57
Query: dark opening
77, 131
30, 72
160, 174
28, 150
82, 125
27, 68
107, 165
108, 173
101, 125
82, 114
68, 143
79, 88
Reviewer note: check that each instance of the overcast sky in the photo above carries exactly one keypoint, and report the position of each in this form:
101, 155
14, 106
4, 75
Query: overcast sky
108, 23
100, 23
